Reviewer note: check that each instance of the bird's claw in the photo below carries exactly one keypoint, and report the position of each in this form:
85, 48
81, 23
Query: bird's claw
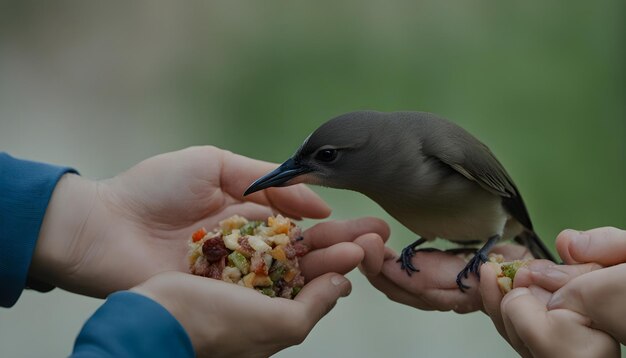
473, 266
405, 260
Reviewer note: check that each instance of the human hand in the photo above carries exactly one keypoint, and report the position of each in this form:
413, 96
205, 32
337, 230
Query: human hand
100, 237
227, 320
523, 318
434, 286
586, 300
586, 288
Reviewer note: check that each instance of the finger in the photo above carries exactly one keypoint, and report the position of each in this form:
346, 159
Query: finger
550, 276
435, 283
512, 252
605, 245
523, 275
340, 258
491, 297
393, 291
331, 232
298, 201
251, 211
390, 254
562, 247
436, 270
238, 172
320, 295
397, 293
598, 295
540, 294
551, 333
374, 250
516, 307
571, 336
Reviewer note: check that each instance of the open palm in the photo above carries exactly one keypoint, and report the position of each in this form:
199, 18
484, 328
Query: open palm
141, 219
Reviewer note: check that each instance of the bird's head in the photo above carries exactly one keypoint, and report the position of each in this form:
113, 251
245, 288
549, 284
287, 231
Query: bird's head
338, 154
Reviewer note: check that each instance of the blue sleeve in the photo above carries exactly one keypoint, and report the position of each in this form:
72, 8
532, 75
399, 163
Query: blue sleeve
132, 325
25, 190
127, 324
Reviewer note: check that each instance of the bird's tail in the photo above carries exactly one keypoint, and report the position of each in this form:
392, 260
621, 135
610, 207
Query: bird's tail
539, 250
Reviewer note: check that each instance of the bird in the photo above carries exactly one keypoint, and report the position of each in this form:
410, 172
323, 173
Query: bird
427, 172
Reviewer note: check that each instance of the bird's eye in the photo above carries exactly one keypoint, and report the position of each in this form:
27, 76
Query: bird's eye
326, 155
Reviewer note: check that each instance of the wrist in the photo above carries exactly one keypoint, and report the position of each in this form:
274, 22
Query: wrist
58, 249
169, 291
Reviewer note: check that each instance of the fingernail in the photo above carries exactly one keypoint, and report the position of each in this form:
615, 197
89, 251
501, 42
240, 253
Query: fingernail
338, 281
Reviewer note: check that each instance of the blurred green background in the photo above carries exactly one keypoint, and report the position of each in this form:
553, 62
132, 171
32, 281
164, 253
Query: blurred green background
103, 85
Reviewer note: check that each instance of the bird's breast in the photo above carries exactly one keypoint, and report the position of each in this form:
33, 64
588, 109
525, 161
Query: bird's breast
451, 208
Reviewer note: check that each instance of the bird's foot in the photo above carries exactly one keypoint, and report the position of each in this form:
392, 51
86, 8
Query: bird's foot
405, 260
407, 255
473, 266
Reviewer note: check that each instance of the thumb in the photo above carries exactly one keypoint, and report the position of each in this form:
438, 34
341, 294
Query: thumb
605, 246
320, 295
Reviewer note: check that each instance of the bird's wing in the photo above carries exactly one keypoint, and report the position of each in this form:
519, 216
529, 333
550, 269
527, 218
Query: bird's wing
457, 148
476, 162
472, 159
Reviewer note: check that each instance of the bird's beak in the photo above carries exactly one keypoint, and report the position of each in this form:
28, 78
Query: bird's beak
279, 176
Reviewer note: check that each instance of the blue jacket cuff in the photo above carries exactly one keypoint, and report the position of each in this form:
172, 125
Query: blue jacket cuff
132, 325
25, 190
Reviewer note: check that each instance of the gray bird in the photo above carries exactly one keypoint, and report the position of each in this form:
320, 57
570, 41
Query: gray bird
428, 173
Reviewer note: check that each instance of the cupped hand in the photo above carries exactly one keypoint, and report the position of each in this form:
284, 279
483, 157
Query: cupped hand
227, 320
591, 283
523, 319
434, 286
535, 331
582, 296
100, 237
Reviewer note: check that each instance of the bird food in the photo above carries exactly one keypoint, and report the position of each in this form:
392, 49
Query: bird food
262, 255
505, 271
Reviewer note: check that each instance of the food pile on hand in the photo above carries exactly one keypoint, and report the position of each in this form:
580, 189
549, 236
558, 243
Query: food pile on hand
255, 254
